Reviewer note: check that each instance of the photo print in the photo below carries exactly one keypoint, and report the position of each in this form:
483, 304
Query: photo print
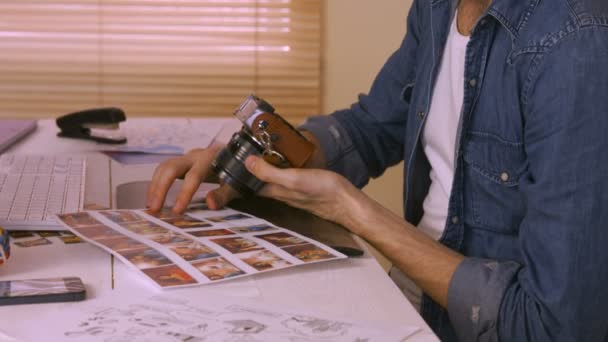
33, 243
145, 257
254, 229
193, 251
170, 275
238, 244
264, 260
77, 220
70, 239
121, 242
47, 233
309, 252
19, 234
121, 216
281, 239
186, 222
217, 268
212, 232
98, 232
145, 228
169, 238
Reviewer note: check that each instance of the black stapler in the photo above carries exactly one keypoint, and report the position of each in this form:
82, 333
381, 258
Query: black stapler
80, 125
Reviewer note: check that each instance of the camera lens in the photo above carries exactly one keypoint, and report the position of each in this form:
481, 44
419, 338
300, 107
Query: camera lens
230, 163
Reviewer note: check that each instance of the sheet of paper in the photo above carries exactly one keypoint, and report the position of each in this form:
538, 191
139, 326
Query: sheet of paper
167, 135
203, 246
208, 318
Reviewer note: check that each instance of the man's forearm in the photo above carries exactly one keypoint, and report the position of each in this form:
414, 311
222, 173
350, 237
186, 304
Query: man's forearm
428, 263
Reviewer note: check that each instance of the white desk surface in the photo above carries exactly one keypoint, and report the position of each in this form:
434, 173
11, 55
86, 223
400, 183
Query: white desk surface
356, 289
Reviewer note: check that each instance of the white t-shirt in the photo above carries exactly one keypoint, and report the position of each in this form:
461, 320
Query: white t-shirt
439, 145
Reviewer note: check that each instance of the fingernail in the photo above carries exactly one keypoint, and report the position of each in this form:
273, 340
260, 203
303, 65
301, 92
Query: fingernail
250, 162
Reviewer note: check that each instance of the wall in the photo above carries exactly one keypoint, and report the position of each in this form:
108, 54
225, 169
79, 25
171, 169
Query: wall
359, 35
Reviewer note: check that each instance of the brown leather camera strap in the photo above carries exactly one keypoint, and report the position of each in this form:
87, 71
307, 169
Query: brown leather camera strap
285, 139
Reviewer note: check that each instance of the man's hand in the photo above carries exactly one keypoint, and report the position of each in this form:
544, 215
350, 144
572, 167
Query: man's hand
194, 167
323, 193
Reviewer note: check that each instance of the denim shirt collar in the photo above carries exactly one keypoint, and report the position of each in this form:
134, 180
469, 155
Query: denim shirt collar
511, 14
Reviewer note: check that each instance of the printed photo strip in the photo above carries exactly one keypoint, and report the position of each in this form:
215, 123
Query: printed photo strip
199, 247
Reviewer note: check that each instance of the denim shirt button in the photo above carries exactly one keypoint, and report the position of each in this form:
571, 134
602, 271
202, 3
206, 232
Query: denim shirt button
504, 177
455, 219
421, 114
473, 82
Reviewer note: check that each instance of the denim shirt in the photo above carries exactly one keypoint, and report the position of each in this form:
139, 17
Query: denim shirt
529, 201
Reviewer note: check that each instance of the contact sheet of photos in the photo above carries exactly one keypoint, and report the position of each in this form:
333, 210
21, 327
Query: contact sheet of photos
200, 247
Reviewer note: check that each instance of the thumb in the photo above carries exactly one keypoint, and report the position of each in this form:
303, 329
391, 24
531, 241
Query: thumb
269, 173
261, 169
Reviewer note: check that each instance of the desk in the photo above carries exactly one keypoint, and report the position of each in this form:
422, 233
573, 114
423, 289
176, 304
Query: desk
355, 289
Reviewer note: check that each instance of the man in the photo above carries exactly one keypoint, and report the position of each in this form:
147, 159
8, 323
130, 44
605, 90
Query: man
500, 111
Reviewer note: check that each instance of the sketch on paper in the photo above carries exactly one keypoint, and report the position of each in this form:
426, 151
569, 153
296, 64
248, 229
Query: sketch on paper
175, 319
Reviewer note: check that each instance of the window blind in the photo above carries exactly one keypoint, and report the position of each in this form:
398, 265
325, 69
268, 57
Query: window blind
158, 57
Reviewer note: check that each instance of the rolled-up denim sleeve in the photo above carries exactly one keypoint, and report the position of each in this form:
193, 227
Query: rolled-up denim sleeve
557, 292
364, 140
338, 148
475, 295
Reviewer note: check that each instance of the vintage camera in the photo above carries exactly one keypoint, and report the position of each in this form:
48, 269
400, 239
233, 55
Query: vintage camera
264, 133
